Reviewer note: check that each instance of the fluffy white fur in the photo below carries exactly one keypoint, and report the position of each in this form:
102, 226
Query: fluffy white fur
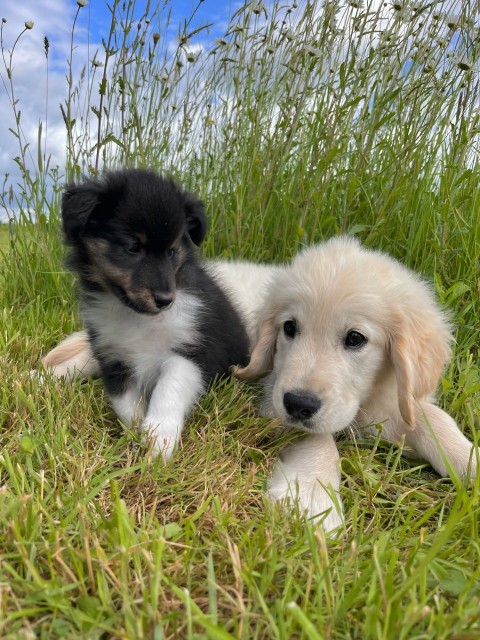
176, 381
330, 290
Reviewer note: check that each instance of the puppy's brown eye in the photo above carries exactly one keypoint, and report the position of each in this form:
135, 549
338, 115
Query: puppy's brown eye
290, 328
133, 247
355, 340
171, 253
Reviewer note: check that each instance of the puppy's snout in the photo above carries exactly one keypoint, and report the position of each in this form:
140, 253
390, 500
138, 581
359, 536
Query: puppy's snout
301, 405
162, 301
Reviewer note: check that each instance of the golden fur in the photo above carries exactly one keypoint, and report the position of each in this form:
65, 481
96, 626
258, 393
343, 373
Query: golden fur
329, 291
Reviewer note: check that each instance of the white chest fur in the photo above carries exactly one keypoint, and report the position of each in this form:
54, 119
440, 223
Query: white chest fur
141, 341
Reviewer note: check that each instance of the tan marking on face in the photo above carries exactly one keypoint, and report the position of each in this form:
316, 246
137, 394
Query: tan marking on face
97, 249
104, 272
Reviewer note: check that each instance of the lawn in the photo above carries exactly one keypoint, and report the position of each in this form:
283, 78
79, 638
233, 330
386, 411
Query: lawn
317, 127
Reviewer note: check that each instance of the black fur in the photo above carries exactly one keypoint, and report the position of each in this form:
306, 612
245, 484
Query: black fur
122, 209
131, 235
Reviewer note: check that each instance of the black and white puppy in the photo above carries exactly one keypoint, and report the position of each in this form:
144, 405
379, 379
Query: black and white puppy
158, 324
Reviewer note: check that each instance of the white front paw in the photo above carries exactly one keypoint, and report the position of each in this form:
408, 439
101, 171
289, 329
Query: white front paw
163, 437
320, 504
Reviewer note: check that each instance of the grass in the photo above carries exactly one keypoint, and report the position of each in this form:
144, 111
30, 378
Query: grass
315, 127
4, 237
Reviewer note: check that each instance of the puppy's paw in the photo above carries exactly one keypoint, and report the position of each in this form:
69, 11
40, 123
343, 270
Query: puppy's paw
320, 505
164, 446
308, 475
163, 437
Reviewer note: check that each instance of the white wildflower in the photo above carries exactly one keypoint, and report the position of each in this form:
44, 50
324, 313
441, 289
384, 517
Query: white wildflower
258, 7
313, 52
453, 21
289, 35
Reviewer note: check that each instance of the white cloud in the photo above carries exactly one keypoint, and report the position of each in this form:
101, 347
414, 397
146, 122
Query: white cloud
39, 85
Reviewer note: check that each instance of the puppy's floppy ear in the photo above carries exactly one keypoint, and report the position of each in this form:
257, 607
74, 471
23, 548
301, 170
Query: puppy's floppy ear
90, 202
261, 359
196, 219
82, 202
78, 203
419, 349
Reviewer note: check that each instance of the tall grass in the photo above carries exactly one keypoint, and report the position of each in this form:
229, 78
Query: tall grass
304, 120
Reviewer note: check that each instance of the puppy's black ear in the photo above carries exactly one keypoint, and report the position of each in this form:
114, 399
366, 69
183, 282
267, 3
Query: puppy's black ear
196, 219
78, 204
91, 203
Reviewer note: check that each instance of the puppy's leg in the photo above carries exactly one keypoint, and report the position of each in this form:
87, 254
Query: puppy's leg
309, 471
447, 439
179, 387
436, 436
124, 392
128, 406
72, 358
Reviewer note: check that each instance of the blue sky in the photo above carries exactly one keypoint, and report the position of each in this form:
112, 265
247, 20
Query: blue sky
40, 85
97, 14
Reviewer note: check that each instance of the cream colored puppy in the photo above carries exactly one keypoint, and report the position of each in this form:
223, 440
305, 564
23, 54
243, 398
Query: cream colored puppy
350, 337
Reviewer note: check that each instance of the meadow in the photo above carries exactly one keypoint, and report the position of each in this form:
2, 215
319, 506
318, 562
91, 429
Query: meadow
306, 120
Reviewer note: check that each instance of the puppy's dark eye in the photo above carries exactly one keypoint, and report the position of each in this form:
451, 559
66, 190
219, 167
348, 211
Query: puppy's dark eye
355, 340
171, 253
133, 247
290, 328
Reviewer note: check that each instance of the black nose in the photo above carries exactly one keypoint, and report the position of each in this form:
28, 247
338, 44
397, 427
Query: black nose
301, 405
162, 301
